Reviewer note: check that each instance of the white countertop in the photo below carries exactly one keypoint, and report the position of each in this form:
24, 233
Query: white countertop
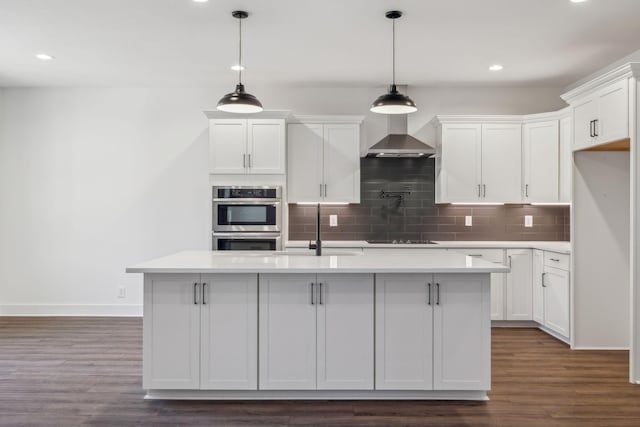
279, 262
558, 247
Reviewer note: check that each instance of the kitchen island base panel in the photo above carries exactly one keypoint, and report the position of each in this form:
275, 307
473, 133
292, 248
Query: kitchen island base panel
315, 395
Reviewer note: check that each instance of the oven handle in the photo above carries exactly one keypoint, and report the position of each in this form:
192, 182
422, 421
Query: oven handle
248, 201
248, 235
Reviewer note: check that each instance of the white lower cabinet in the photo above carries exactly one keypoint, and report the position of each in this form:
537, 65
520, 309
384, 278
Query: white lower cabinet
551, 304
200, 331
538, 289
404, 332
433, 332
316, 332
519, 285
498, 280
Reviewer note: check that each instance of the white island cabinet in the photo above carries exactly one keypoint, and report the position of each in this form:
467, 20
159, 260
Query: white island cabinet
294, 326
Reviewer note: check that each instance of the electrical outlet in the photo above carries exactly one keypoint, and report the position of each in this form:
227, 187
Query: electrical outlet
528, 221
468, 221
122, 292
333, 220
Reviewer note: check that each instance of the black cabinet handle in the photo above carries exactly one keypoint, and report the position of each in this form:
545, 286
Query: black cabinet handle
313, 301
429, 292
195, 293
595, 127
437, 293
320, 291
204, 292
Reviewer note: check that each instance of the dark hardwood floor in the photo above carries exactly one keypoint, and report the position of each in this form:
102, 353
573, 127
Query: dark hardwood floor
87, 371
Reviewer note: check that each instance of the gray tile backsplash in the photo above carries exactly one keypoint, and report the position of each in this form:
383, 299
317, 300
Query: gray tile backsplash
415, 216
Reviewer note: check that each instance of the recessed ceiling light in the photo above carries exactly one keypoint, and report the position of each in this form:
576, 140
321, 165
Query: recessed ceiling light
44, 56
237, 67
496, 67
200, 1
578, 1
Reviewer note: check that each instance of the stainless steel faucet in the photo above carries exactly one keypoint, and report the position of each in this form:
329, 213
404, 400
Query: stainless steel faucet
318, 244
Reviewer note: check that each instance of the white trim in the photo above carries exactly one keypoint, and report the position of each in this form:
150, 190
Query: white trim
622, 72
326, 119
554, 334
441, 119
316, 395
126, 310
266, 114
513, 323
604, 348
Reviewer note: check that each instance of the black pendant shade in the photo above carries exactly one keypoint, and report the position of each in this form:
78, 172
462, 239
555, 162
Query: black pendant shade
393, 102
239, 101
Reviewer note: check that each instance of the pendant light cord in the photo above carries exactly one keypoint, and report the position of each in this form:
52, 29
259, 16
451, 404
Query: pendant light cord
240, 51
393, 50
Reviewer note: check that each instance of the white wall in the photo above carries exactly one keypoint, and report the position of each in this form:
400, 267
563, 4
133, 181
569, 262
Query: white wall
600, 236
93, 180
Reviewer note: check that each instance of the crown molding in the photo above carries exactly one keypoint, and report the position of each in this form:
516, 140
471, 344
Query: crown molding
479, 119
630, 69
325, 119
265, 114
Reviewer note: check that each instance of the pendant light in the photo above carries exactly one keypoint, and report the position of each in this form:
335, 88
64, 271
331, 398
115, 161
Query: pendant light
393, 102
239, 101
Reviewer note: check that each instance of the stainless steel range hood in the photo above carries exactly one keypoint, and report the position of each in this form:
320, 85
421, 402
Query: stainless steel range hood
398, 143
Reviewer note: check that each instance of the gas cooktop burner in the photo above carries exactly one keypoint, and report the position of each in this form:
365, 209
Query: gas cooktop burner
401, 242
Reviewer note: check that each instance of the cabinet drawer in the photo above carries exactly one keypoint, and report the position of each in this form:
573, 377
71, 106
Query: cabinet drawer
552, 259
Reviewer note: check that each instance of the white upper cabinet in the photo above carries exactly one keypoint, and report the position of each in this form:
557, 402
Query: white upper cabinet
501, 163
247, 146
612, 123
601, 109
541, 161
460, 161
324, 160
342, 163
266, 152
227, 146
478, 162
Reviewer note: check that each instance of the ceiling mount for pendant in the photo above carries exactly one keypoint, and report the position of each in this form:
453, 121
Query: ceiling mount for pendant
239, 101
393, 102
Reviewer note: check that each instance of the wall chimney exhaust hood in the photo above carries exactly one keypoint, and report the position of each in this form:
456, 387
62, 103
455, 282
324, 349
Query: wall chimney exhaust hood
398, 143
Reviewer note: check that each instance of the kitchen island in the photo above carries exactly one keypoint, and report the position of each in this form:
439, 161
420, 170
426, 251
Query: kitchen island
224, 325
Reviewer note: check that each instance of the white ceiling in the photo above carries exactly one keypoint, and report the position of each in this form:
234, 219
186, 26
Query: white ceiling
312, 42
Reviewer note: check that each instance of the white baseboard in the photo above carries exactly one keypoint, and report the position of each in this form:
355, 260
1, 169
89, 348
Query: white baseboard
125, 310
603, 348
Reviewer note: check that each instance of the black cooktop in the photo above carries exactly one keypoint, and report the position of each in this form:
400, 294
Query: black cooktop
401, 242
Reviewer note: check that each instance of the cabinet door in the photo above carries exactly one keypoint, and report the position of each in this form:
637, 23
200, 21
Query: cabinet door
227, 146
538, 286
556, 300
541, 161
287, 325
584, 112
229, 343
501, 163
462, 332
345, 332
305, 152
566, 159
461, 158
613, 113
404, 332
266, 146
171, 323
497, 279
341, 163
519, 285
